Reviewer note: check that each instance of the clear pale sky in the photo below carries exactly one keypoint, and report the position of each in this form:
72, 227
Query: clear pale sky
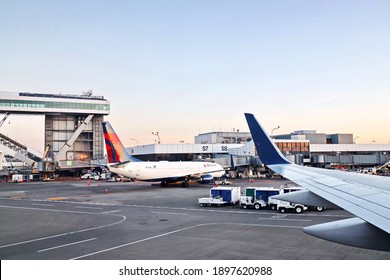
188, 67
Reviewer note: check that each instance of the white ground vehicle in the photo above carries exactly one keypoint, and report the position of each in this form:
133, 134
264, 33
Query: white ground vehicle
260, 197
283, 206
250, 201
209, 201
276, 204
221, 196
257, 197
221, 182
103, 176
18, 178
87, 176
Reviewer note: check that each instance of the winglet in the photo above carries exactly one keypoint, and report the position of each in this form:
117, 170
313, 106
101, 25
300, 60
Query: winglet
116, 152
267, 150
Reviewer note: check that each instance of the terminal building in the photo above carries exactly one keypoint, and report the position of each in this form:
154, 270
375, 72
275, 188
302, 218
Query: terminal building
236, 151
73, 133
339, 150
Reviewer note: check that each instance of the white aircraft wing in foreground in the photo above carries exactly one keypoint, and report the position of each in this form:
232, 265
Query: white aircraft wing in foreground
365, 196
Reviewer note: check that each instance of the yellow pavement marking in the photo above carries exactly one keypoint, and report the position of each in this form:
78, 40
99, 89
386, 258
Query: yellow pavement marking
57, 198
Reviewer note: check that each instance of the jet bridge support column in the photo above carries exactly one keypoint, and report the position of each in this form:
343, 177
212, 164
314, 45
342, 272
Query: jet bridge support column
68, 145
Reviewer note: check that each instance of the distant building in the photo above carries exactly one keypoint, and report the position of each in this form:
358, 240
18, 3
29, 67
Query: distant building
331, 150
235, 137
318, 138
339, 138
230, 149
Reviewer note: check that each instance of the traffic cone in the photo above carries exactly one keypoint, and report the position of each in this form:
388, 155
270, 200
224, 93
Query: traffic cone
106, 192
99, 185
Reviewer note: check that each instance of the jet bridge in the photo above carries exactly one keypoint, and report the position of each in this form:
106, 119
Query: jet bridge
19, 151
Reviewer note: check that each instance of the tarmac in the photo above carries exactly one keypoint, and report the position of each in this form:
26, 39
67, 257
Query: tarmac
62, 220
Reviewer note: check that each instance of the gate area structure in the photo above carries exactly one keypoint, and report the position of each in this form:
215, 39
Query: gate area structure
73, 132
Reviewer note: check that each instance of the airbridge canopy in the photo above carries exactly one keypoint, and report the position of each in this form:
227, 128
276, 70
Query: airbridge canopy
38, 103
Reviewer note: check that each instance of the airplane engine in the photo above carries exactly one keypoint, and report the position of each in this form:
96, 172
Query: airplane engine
206, 179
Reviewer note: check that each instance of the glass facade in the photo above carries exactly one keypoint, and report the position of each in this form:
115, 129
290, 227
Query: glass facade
294, 147
89, 144
53, 105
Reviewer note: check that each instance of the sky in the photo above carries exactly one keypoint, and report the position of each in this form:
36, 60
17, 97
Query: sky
187, 67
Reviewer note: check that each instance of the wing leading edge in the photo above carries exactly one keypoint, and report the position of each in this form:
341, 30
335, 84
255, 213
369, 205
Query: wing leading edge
366, 196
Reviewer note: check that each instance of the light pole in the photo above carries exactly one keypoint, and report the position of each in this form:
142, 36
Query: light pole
272, 133
354, 139
134, 140
158, 136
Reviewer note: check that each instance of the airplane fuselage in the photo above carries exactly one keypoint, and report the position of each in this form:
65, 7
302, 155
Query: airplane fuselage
166, 171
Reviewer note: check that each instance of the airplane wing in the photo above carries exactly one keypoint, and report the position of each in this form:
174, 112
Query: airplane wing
365, 196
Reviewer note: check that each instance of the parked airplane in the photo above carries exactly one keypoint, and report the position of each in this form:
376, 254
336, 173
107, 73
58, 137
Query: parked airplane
365, 196
120, 162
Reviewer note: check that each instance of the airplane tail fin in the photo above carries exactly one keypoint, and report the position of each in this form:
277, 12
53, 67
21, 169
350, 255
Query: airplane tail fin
232, 162
116, 152
267, 150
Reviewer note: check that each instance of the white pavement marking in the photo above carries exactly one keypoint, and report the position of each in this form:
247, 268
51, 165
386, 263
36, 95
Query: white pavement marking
281, 219
176, 231
65, 245
62, 234
109, 212
87, 207
38, 204
43, 209
170, 213
6, 193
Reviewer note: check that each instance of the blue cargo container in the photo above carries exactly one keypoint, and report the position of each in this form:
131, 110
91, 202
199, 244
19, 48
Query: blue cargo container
225, 194
221, 195
265, 194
